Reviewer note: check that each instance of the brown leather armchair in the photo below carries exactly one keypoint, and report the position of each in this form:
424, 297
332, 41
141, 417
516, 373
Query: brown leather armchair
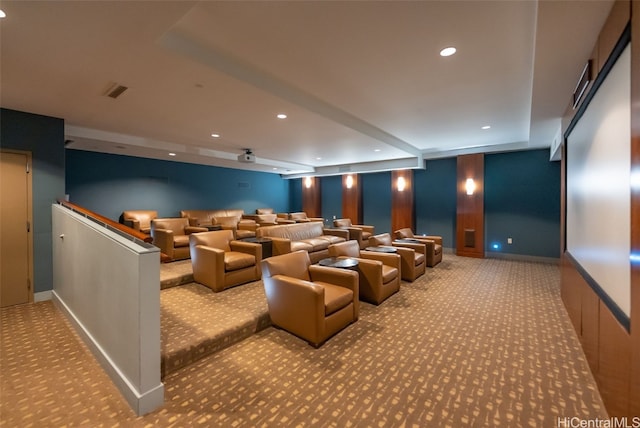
412, 257
139, 220
171, 235
433, 243
310, 301
241, 228
220, 262
379, 272
301, 217
359, 232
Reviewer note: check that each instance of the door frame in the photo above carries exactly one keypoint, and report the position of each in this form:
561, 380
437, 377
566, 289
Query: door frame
29, 217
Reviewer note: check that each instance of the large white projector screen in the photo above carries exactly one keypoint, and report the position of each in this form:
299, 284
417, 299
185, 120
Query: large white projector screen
598, 186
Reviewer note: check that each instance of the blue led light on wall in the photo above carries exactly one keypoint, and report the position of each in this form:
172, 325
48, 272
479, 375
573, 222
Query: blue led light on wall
496, 246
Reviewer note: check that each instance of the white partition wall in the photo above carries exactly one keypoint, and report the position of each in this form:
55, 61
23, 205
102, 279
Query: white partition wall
109, 287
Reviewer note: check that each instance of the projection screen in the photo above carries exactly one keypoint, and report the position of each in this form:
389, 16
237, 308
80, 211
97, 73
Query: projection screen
598, 186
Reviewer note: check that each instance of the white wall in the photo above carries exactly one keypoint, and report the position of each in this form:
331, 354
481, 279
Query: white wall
109, 287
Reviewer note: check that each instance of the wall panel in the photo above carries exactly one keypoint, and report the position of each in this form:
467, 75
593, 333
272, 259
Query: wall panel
402, 210
470, 209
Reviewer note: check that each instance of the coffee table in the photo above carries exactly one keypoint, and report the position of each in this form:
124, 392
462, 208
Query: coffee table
266, 243
338, 262
382, 249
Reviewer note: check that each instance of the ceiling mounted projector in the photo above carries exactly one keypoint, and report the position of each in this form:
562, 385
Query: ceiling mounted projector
247, 157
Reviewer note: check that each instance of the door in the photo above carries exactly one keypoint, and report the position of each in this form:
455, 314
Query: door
15, 199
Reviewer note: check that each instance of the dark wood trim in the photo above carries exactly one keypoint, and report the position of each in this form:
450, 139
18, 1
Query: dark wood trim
470, 208
402, 209
352, 199
634, 396
107, 222
311, 197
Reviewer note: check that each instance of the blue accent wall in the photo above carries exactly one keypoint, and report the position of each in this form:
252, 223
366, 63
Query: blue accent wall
109, 184
376, 201
44, 137
522, 201
435, 200
331, 197
295, 196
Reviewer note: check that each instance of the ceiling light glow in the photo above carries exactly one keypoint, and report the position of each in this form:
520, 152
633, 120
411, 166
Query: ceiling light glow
448, 51
486, 127
281, 116
2, 14
172, 154
214, 135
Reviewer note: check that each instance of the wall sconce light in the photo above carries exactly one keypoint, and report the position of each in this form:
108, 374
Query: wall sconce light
307, 182
400, 184
349, 181
470, 186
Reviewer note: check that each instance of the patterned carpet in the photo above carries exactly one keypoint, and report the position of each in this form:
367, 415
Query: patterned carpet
478, 343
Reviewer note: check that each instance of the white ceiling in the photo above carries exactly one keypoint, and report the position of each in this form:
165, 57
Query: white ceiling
352, 76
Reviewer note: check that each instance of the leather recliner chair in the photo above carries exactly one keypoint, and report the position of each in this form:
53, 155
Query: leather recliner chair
379, 273
313, 302
433, 243
139, 220
359, 232
171, 235
220, 262
412, 255
301, 217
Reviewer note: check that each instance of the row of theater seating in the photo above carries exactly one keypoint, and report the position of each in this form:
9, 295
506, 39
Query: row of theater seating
171, 235
310, 301
313, 302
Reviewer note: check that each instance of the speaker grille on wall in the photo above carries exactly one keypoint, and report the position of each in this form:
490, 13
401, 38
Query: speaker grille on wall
470, 238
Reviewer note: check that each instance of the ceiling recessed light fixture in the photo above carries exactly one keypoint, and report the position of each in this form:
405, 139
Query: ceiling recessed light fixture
2, 14
172, 154
214, 135
281, 116
486, 127
376, 150
448, 51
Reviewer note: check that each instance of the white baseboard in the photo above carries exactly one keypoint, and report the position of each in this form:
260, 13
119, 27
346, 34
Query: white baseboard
42, 296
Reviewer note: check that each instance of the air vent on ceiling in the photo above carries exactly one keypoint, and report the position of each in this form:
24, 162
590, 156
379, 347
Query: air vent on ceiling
344, 168
115, 90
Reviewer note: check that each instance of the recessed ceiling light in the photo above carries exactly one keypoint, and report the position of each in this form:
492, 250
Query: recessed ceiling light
376, 150
486, 127
2, 14
448, 51
172, 154
275, 169
318, 158
281, 116
214, 135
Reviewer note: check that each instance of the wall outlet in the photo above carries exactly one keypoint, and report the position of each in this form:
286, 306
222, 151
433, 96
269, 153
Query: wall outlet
509, 240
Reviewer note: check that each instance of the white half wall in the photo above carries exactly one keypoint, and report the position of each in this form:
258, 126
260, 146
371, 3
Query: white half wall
109, 287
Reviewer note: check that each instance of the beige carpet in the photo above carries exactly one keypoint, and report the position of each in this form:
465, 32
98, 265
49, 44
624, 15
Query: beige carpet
471, 343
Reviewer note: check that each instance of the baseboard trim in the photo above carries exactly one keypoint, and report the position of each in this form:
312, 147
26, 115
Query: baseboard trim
41, 296
141, 403
522, 257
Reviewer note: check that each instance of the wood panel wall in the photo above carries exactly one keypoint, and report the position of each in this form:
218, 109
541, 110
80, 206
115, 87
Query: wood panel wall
311, 198
634, 395
470, 208
402, 210
613, 353
352, 199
